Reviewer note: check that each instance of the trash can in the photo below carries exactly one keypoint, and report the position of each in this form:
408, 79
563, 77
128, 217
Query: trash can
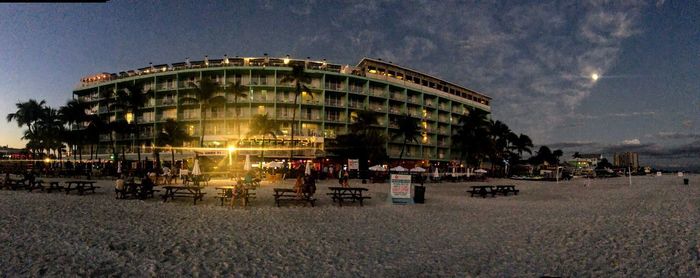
419, 197
685, 181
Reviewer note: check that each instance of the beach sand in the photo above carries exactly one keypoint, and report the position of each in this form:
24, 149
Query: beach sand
607, 228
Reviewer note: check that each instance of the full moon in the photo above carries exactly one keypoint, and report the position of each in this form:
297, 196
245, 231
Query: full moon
594, 76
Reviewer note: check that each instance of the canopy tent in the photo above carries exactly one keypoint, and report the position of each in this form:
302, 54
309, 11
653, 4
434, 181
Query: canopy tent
196, 171
436, 174
399, 169
377, 168
418, 169
273, 164
482, 171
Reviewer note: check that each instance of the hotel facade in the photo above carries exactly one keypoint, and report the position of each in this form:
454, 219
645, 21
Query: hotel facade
323, 112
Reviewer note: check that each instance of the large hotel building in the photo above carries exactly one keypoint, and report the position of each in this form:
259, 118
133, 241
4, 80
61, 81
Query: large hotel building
336, 92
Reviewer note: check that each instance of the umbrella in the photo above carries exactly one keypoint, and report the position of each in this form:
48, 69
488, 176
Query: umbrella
436, 174
119, 167
418, 169
307, 169
377, 168
480, 171
195, 169
399, 169
246, 165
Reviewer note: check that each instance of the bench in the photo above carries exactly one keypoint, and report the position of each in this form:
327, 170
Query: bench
289, 195
226, 194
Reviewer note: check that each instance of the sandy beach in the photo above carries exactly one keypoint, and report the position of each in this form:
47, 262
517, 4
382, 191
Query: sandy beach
600, 227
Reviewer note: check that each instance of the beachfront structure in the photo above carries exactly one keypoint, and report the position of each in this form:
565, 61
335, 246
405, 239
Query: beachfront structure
626, 159
323, 112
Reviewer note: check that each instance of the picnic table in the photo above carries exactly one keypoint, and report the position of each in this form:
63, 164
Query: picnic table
240, 191
172, 191
14, 184
505, 189
482, 190
53, 185
341, 194
80, 185
289, 195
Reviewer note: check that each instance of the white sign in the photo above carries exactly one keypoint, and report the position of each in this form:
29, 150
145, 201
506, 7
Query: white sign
401, 186
353, 164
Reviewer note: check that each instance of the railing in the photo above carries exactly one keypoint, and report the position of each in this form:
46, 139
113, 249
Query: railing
377, 108
335, 119
334, 103
414, 100
397, 96
166, 102
334, 86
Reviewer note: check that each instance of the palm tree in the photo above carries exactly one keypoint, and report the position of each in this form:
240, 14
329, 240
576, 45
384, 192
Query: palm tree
120, 126
523, 144
27, 114
472, 136
237, 91
263, 125
409, 130
173, 135
300, 80
73, 113
131, 98
205, 95
107, 94
363, 120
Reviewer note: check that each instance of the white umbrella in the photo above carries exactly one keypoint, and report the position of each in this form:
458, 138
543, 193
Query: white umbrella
377, 168
399, 169
480, 171
436, 174
418, 169
246, 165
195, 169
307, 169
119, 167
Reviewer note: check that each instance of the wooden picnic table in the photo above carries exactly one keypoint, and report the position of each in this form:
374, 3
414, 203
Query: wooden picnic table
505, 189
172, 191
54, 185
482, 190
341, 194
236, 192
80, 185
14, 184
290, 195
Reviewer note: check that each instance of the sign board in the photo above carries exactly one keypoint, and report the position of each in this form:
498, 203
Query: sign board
658, 174
401, 189
353, 164
680, 174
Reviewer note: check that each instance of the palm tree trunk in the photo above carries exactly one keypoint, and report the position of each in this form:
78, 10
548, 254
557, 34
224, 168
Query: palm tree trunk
172, 157
403, 147
294, 114
202, 118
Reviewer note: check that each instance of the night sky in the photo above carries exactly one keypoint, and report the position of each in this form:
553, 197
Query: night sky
535, 58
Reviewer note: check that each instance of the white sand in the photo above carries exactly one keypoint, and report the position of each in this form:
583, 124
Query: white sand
566, 229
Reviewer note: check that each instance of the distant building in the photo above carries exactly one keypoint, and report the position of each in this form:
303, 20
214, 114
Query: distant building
626, 159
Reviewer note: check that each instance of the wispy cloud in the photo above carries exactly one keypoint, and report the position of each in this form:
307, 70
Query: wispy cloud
677, 135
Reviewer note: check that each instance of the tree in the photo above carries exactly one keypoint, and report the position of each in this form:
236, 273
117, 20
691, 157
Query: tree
172, 134
409, 131
300, 80
576, 155
74, 115
472, 136
262, 125
131, 98
523, 143
237, 91
364, 142
28, 113
205, 95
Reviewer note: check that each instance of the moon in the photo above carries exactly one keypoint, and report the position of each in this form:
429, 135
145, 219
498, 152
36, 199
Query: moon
595, 76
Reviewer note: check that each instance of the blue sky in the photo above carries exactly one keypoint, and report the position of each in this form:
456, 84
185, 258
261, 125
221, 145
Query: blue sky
534, 58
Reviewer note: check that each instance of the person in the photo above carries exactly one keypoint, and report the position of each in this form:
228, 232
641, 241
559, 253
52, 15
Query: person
119, 187
298, 185
166, 175
343, 179
146, 188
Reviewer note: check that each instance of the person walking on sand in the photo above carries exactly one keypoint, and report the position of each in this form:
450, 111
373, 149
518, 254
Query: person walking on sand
343, 179
298, 185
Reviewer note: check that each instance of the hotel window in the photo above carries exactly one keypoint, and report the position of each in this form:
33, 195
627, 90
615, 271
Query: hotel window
399, 75
381, 71
391, 73
371, 69
424, 83
263, 79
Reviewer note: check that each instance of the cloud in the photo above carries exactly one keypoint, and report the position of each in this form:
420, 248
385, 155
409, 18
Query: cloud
631, 142
572, 145
677, 135
614, 115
